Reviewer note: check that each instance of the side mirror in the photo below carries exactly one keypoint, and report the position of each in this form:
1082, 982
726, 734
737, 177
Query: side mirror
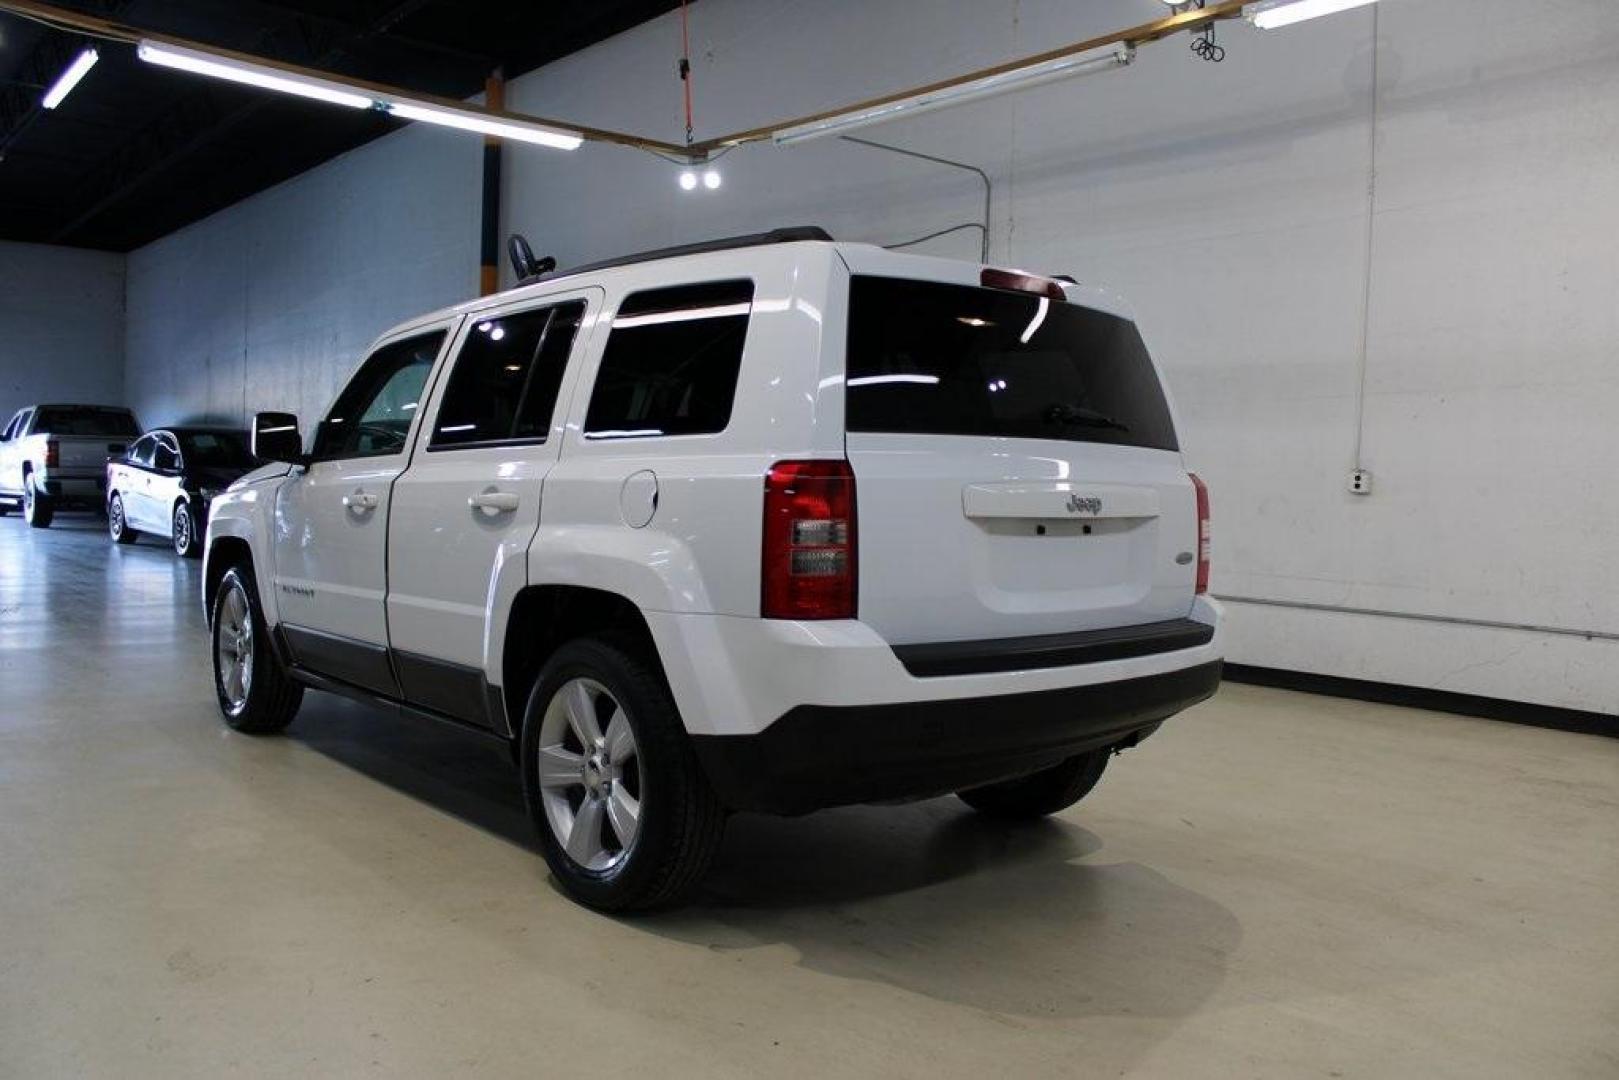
276, 438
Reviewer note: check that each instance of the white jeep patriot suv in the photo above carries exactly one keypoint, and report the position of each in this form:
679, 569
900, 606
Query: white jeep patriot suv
772, 524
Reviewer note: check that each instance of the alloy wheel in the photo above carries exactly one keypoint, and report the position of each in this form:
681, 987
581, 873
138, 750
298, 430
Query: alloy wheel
182, 530
233, 642
590, 775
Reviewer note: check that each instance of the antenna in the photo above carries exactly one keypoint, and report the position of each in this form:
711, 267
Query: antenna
524, 264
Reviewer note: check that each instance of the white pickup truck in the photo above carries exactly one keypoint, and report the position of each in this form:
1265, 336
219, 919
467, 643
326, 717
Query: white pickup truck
766, 524
55, 456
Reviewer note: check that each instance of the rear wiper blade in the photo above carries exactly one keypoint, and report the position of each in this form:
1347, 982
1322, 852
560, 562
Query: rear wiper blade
1079, 416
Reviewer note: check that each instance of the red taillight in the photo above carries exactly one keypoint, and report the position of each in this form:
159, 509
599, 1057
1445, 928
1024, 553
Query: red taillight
53, 454
809, 541
1202, 533
1018, 281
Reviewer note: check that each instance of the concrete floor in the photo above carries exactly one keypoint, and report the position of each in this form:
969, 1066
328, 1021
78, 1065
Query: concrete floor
1276, 885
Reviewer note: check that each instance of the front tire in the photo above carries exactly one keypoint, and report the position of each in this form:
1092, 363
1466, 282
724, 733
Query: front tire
184, 533
256, 695
626, 817
1042, 793
36, 504
117, 524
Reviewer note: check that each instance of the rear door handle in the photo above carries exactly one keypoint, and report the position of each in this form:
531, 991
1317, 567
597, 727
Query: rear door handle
494, 502
361, 500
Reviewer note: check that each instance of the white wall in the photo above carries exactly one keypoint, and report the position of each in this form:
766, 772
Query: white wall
61, 326
1233, 203
267, 305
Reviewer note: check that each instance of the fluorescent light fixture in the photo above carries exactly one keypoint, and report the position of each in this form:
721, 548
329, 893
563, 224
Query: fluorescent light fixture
467, 120
238, 71
1018, 79
65, 82
889, 380
335, 92
1279, 13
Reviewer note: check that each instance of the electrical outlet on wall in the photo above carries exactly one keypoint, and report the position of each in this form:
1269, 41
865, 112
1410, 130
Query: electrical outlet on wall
1360, 481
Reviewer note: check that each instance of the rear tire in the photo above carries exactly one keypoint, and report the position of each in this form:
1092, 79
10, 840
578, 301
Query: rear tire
256, 695
637, 825
36, 504
1042, 793
184, 533
117, 524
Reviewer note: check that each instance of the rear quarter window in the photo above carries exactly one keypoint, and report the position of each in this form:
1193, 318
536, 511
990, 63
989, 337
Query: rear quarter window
939, 359
671, 362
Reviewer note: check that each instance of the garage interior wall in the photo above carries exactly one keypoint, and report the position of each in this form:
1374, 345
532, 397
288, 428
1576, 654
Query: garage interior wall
1389, 229
270, 303
61, 326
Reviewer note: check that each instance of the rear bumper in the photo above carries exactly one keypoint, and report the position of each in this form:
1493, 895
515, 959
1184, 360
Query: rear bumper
76, 489
791, 716
820, 756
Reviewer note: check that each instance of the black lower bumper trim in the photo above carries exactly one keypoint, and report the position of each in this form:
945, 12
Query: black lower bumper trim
819, 756
1052, 650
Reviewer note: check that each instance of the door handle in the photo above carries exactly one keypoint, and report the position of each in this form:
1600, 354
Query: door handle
360, 501
494, 502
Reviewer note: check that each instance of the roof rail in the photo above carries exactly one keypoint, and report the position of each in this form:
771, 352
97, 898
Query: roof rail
790, 235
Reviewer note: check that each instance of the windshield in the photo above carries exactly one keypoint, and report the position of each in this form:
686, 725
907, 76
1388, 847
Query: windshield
89, 420
214, 449
936, 359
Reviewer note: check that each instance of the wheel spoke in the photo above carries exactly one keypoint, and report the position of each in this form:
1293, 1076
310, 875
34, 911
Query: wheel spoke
585, 838
560, 768
582, 714
620, 739
624, 814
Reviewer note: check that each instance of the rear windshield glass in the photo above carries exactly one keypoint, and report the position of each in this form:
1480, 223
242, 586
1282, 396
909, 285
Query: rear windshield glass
209, 449
85, 420
935, 359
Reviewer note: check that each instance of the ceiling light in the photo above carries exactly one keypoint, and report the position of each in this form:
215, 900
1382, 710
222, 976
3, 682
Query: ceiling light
1279, 13
237, 71
333, 91
468, 120
1063, 67
711, 179
688, 181
64, 84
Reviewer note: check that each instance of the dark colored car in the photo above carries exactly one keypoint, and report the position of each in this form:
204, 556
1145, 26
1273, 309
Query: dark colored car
162, 485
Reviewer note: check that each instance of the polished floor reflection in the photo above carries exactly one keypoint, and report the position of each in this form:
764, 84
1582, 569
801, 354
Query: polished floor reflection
1276, 885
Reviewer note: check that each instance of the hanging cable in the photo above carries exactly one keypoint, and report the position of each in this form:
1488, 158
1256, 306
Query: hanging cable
1203, 44
684, 67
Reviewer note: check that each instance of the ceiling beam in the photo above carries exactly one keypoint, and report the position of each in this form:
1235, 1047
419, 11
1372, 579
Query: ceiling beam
1135, 35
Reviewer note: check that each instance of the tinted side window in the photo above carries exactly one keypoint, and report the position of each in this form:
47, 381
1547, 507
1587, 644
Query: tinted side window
505, 380
165, 455
372, 415
671, 362
141, 453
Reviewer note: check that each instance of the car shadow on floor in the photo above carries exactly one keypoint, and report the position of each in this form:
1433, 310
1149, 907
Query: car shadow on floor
1021, 919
